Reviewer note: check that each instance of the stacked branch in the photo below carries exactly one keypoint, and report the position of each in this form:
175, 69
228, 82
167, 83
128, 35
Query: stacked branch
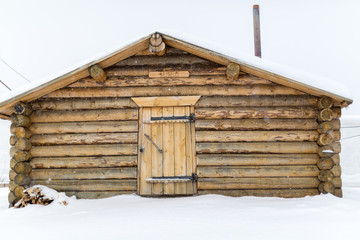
33, 195
326, 149
20, 155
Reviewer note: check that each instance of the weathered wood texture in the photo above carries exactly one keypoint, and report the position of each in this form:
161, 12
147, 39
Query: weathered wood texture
253, 137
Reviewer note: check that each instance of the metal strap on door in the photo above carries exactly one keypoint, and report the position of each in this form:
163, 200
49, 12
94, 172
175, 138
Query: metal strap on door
186, 119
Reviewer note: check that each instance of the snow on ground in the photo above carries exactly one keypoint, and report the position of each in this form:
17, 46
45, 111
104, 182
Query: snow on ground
205, 217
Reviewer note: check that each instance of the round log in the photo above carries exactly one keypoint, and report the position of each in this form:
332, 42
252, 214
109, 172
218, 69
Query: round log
12, 151
13, 140
96, 72
23, 109
156, 40
22, 179
326, 151
23, 144
325, 139
158, 50
326, 187
232, 71
20, 120
22, 167
22, 132
12, 198
22, 155
326, 176
325, 115
325, 164
325, 103
19, 191
12, 186
13, 162
12, 128
324, 127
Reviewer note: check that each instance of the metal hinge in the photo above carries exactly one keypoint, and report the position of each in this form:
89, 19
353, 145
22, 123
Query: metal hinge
174, 179
190, 118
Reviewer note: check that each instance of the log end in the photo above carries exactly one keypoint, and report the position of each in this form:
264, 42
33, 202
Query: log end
232, 71
97, 73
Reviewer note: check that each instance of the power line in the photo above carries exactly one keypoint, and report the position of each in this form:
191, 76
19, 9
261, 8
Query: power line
15, 71
5, 85
351, 127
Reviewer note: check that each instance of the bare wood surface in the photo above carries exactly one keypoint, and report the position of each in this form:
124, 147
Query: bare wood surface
97, 73
97, 194
166, 101
326, 163
325, 127
12, 128
12, 175
256, 136
172, 91
168, 140
19, 191
20, 155
12, 140
84, 127
22, 167
20, 120
22, 132
163, 61
86, 115
260, 183
84, 150
22, 109
143, 71
258, 101
325, 102
258, 159
258, 124
255, 112
84, 173
232, 71
23, 144
76, 104
169, 74
88, 138
327, 187
84, 162
169, 81
325, 115
326, 139
258, 171
285, 193
12, 199
258, 147
89, 185
22, 179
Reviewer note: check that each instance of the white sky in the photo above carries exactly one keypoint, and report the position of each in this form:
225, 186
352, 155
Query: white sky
44, 38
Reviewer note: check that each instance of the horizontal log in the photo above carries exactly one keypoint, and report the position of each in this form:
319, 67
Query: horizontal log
255, 112
327, 187
168, 81
258, 147
84, 150
12, 175
19, 191
329, 150
261, 183
259, 124
89, 185
22, 109
84, 162
84, 173
328, 175
22, 179
325, 102
259, 159
258, 171
97, 194
13, 140
12, 185
79, 104
172, 91
257, 136
20, 155
86, 115
88, 138
22, 167
284, 193
12, 128
169, 51
258, 101
84, 127
141, 71
164, 60
23, 144
12, 199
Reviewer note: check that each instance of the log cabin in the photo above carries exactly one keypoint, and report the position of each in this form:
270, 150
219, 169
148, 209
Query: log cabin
164, 117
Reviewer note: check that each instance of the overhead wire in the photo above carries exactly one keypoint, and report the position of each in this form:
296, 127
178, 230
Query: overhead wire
15, 70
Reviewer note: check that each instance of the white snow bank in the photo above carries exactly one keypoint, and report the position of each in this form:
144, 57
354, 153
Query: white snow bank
206, 217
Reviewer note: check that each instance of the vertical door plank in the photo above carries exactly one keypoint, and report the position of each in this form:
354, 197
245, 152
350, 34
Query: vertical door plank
168, 149
140, 139
180, 156
193, 151
188, 150
145, 188
157, 157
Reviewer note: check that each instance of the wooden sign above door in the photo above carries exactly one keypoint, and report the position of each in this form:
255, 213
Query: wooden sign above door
167, 74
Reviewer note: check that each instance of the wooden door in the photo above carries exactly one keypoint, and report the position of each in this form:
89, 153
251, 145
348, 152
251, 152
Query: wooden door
166, 151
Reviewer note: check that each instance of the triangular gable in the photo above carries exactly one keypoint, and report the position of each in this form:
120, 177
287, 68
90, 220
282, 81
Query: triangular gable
142, 44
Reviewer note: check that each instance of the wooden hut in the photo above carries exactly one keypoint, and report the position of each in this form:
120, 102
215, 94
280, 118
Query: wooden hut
163, 117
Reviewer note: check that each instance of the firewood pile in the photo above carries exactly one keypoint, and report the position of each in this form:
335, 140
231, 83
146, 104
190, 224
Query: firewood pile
33, 195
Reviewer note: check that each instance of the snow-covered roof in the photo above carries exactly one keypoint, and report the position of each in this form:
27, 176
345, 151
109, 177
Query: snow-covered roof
49, 45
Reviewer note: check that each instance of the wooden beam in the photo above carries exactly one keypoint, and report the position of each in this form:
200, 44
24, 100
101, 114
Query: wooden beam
97, 73
166, 101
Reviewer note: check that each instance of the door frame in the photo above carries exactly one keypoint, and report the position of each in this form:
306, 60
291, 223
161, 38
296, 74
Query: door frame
168, 101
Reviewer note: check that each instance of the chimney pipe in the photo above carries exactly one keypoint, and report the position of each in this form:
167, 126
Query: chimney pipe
257, 39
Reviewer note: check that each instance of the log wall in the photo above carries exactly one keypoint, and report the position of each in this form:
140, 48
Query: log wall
253, 137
